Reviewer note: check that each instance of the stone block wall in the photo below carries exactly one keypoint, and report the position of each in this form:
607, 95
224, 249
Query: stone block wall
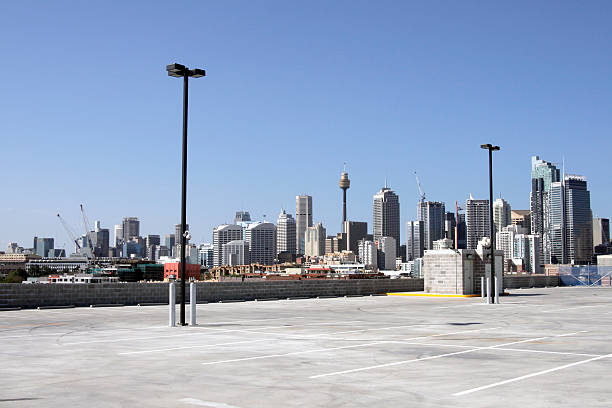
35, 295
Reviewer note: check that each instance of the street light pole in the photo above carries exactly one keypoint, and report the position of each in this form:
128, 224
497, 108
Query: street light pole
491, 149
178, 70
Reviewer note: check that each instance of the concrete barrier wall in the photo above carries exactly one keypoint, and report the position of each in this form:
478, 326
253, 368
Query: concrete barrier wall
533, 281
35, 295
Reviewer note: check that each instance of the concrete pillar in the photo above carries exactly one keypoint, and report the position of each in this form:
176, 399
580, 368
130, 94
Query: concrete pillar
192, 304
171, 305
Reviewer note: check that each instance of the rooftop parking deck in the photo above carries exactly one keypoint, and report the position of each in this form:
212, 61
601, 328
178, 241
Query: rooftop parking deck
539, 348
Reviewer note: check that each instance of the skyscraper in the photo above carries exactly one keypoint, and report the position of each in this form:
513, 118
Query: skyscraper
303, 220
433, 215
386, 214
543, 174
285, 233
261, 237
601, 231
355, 231
522, 218
555, 250
368, 253
222, 235
501, 214
131, 228
118, 235
414, 240
314, 240
242, 216
579, 227
236, 253
386, 253
43, 245
477, 220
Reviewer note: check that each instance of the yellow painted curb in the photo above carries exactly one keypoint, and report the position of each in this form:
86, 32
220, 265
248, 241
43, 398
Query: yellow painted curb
430, 295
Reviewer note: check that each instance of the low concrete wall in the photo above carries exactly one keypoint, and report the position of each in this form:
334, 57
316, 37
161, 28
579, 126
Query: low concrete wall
35, 295
532, 281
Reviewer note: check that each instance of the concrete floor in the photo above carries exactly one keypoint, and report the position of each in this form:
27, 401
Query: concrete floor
539, 348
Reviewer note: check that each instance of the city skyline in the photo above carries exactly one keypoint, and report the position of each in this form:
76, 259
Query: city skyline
429, 86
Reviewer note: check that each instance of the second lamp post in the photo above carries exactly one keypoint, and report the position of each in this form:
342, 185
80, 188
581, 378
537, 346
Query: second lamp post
491, 149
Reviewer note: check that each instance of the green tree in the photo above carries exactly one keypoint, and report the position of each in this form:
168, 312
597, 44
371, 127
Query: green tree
17, 276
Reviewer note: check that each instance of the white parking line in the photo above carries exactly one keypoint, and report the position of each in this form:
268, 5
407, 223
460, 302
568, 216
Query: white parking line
189, 347
294, 353
572, 308
427, 358
511, 380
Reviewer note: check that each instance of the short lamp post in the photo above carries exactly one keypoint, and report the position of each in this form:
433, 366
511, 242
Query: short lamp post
491, 149
180, 71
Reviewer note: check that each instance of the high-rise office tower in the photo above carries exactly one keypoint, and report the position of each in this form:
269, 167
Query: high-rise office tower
601, 231
236, 253
169, 242
414, 240
131, 228
261, 237
433, 215
303, 220
345, 184
522, 218
242, 216
386, 214
43, 246
118, 235
501, 214
461, 232
314, 240
354, 232
450, 223
100, 238
285, 233
222, 235
579, 220
387, 253
177, 233
555, 250
543, 174
477, 220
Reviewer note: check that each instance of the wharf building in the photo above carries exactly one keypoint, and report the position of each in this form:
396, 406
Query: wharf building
477, 220
386, 215
303, 220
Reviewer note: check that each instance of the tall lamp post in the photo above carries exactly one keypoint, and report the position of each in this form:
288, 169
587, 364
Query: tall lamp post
180, 71
491, 149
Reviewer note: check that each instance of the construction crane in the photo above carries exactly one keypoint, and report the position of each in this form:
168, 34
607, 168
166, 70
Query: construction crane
419, 186
87, 235
69, 232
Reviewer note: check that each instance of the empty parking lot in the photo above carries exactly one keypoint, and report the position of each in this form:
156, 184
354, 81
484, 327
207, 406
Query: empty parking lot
540, 347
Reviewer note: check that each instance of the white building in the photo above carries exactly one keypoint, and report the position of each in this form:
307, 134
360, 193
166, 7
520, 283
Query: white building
236, 253
261, 237
502, 214
222, 235
285, 233
314, 240
368, 253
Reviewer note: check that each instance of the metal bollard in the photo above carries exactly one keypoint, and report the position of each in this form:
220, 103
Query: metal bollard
192, 304
171, 305
488, 291
496, 290
482, 287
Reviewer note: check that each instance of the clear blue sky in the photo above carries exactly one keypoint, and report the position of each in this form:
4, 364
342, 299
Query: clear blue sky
293, 90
